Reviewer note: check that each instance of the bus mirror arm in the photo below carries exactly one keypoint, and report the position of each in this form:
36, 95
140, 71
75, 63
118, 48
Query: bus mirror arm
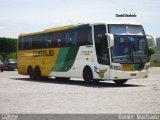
110, 38
153, 40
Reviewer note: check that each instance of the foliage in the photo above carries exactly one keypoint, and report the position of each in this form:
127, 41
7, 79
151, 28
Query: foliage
7, 46
12, 56
151, 51
1, 57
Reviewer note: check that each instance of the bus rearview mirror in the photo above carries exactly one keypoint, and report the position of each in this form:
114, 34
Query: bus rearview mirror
151, 41
110, 39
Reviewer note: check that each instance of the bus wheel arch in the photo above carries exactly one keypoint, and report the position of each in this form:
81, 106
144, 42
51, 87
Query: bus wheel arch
30, 72
37, 73
87, 74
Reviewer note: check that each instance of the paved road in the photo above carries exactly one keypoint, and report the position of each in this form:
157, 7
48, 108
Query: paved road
20, 95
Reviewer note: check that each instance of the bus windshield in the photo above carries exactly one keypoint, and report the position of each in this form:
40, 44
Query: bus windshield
130, 49
120, 29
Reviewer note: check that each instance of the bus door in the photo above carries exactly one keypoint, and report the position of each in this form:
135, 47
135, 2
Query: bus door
102, 52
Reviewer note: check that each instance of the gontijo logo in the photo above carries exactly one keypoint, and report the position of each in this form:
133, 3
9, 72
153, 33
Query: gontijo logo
43, 53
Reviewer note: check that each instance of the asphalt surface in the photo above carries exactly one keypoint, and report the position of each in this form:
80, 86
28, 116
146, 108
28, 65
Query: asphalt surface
20, 95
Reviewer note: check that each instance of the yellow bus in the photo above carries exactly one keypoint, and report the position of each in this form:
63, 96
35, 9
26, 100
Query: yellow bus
94, 52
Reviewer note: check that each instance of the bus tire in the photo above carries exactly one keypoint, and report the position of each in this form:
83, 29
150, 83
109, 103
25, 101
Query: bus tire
87, 75
120, 82
96, 81
37, 73
31, 73
2, 70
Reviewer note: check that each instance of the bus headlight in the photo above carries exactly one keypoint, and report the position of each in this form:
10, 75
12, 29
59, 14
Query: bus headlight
147, 67
116, 67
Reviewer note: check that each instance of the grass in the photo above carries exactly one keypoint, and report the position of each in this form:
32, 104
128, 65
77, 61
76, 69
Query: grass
155, 60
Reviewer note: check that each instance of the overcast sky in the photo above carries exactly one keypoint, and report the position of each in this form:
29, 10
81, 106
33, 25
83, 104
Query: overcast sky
18, 16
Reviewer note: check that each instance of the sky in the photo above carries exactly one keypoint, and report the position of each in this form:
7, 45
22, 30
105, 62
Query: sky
21, 16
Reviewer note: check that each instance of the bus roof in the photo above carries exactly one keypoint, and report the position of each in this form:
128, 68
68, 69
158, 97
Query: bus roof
71, 26
54, 29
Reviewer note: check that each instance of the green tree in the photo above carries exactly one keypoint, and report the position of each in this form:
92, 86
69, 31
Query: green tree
7, 46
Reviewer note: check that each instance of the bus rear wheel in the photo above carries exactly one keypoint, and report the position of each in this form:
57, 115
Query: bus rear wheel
31, 73
37, 73
120, 82
87, 75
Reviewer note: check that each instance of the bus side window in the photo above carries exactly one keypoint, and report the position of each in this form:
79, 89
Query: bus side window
36, 42
82, 36
75, 38
48, 40
39, 41
89, 41
27, 43
21, 43
55, 40
70, 38
60, 39
67, 35
30, 42
85, 36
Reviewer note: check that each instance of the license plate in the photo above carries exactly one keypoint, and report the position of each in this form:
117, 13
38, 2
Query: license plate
127, 67
133, 74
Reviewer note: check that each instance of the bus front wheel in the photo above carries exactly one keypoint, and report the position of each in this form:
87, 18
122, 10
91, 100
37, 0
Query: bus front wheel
96, 81
120, 82
87, 75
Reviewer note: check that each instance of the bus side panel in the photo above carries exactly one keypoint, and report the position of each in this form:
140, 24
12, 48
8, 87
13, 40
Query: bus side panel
64, 62
24, 59
76, 60
43, 58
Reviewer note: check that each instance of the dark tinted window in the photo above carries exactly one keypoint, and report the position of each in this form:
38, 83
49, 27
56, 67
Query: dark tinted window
25, 43
36, 42
59, 39
47, 41
20, 43
85, 36
101, 44
72, 37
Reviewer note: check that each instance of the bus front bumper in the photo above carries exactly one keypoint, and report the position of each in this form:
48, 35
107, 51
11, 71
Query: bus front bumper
117, 74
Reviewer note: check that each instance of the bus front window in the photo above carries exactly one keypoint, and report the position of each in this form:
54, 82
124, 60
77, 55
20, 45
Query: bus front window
130, 49
130, 43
